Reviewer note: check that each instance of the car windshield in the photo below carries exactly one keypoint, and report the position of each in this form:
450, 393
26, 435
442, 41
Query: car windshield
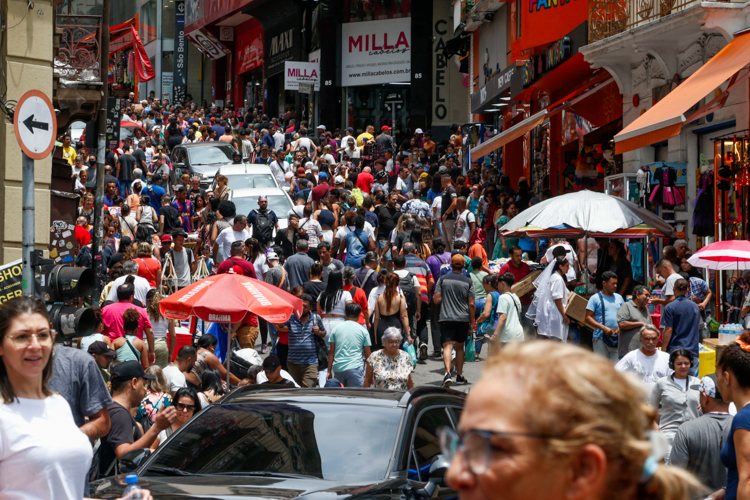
239, 181
208, 156
328, 441
125, 133
280, 204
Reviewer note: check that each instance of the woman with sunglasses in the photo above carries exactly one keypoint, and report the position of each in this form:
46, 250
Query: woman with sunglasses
548, 307
551, 422
186, 403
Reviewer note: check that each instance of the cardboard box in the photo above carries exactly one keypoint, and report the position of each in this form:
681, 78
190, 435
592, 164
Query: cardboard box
526, 285
576, 308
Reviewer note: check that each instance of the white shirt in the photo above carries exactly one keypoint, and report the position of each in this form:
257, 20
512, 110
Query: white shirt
278, 139
43, 455
261, 378
350, 153
570, 255
344, 230
649, 369
227, 237
668, 288
329, 158
261, 266
175, 378
436, 204
463, 225
141, 288
338, 308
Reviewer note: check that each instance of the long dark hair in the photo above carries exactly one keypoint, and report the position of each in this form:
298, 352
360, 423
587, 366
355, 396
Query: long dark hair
332, 294
256, 248
211, 380
188, 392
206, 341
9, 312
559, 261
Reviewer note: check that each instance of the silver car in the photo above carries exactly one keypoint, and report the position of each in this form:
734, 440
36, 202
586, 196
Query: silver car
246, 200
248, 175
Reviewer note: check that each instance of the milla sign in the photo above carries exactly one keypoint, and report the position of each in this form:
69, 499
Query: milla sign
374, 52
296, 73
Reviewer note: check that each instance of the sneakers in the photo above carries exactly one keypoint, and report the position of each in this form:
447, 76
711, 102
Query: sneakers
437, 354
423, 352
263, 349
448, 380
461, 380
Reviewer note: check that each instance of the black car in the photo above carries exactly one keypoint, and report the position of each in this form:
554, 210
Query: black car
303, 443
202, 159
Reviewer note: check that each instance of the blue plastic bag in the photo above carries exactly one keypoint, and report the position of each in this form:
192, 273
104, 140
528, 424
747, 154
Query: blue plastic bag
409, 348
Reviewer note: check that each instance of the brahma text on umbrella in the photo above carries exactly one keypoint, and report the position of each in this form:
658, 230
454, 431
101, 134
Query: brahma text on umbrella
257, 294
194, 291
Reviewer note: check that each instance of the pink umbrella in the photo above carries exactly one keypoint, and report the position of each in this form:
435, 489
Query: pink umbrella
723, 256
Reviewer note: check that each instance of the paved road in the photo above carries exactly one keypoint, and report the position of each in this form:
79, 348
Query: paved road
433, 370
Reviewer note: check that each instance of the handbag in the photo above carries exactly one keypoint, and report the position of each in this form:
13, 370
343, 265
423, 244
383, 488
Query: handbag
609, 340
409, 348
321, 347
201, 271
470, 349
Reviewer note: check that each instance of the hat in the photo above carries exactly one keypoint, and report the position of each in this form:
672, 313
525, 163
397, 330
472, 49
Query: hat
338, 180
416, 193
181, 188
350, 130
709, 387
418, 131
166, 237
381, 175
309, 165
457, 260
272, 256
264, 146
351, 139
443, 170
423, 175
385, 127
271, 363
301, 171
333, 383
321, 127
100, 347
130, 369
179, 232
323, 175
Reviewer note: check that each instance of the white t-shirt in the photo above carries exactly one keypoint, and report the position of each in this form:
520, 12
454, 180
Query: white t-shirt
43, 455
278, 139
344, 230
160, 328
229, 236
509, 305
175, 378
649, 369
463, 225
261, 266
436, 204
261, 378
570, 255
141, 288
338, 309
402, 273
668, 288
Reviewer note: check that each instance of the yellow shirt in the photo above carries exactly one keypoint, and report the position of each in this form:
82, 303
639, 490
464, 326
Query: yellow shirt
69, 154
363, 138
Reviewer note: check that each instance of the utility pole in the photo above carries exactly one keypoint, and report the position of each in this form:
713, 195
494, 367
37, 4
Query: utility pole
96, 245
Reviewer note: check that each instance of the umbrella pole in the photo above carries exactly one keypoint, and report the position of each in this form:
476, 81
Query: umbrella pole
229, 349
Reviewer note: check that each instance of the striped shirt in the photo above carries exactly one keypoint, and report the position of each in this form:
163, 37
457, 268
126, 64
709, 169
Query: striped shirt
422, 271
302, 349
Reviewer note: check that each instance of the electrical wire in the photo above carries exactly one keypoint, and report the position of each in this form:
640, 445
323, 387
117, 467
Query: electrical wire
29, 6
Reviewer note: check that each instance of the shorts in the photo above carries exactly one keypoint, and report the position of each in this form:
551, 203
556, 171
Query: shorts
387, 256
454, 331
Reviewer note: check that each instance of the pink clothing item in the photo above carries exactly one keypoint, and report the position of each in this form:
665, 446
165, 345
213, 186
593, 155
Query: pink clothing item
113, 322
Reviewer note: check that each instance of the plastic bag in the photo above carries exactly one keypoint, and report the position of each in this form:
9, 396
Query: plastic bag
471, 352
409, 348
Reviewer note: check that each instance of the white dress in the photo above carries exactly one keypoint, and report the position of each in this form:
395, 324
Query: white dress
550, 321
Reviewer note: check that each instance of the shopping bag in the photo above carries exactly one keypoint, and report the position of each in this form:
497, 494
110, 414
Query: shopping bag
471, 352
409, 348
201, 271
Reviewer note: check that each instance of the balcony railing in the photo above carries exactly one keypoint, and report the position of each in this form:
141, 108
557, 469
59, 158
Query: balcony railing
79, 52
610, 17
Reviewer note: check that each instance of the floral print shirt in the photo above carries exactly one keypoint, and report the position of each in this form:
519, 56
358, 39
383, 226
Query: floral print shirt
390, 373
153, 402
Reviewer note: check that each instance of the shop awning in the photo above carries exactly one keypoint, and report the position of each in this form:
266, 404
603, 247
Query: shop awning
522, 127
666, 118
125, 36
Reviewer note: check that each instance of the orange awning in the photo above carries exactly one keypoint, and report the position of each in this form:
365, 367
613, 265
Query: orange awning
666, 118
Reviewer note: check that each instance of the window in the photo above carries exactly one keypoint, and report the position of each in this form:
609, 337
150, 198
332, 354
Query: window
426, 446
148, 22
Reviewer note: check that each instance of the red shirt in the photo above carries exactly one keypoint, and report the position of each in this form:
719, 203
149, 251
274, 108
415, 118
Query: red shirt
361, 299
240, 266
364, 182
320, 191
82, 236
147, 268
518, 273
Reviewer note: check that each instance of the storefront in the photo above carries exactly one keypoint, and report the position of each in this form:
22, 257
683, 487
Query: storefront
248, 60
128, 62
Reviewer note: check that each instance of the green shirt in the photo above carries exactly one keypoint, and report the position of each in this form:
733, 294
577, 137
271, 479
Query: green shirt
350, 337
476, 278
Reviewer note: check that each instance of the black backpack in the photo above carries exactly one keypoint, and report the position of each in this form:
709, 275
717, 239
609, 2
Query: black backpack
263, 226
410, 294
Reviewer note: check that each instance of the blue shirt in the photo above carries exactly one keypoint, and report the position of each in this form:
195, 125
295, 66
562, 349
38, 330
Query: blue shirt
684, 317
729, 454
611, 306
302, 349
155, 196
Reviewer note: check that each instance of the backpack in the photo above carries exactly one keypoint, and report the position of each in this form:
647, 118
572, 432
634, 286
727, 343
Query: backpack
446, 268
263, 226
356, 249
488, 327
410, 294
357, 193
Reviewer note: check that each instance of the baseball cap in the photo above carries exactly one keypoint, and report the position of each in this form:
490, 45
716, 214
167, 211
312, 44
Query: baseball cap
301, 171
418, 131
709, 387
443, 170
351, 139
166, 237
179, 232
350, 130
338, 180
272, 256
457, 260
181, 188
271, 363
321, 127
323, 175
100, 347
309, 165
381, 175
130, 369
385, 127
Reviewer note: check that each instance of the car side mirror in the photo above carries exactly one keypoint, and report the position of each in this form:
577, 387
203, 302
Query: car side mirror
133, 459
246, 160
178, 165
438, 469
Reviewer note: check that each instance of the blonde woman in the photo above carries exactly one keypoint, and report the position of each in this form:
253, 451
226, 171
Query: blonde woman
551, 421
157, 397
222, 189
163, 328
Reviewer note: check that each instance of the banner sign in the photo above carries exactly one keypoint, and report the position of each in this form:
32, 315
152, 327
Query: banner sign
208, 44
544, 21
374, 52
296, 72
10, 280
113, 123
180, 54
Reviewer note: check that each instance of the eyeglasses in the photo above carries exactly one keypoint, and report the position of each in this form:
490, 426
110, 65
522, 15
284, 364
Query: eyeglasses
183, 407
22, 340
475, 445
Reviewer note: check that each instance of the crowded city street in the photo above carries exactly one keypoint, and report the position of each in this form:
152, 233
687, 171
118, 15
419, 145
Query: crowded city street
424, 249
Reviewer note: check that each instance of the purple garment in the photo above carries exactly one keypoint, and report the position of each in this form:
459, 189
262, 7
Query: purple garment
436, 261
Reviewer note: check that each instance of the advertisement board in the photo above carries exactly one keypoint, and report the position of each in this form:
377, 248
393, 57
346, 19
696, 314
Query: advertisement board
375, 52
296, 73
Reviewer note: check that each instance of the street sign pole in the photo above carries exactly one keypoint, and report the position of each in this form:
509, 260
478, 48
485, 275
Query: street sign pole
28, 236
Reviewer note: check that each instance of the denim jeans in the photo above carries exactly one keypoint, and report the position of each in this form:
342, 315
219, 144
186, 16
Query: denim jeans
351, 378
388, 254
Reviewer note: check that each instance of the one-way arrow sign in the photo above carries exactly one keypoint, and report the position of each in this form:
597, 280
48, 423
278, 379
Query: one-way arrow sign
31, 124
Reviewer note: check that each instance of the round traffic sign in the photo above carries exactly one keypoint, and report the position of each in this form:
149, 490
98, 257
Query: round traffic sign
35, 123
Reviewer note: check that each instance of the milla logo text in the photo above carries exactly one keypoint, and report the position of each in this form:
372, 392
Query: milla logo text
370, 42
302, 73
219, 318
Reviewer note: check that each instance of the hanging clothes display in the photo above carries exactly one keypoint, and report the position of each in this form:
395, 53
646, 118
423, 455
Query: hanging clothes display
703, 210
643, 177
666, 194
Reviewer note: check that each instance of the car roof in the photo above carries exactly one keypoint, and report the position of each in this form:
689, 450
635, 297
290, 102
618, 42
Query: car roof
356, 396
250, 192
245, 168
212, 144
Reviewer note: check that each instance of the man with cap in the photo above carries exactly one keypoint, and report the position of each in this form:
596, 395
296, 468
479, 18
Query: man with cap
385, 139
419, 138
264, 158
276, 275
272, 371
125, 435
697, 444
102, 355
349, 149
263, 221
454, 292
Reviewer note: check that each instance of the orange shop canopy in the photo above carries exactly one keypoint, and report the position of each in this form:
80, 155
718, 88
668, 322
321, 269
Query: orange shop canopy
524, 126
125, 36
666, 118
